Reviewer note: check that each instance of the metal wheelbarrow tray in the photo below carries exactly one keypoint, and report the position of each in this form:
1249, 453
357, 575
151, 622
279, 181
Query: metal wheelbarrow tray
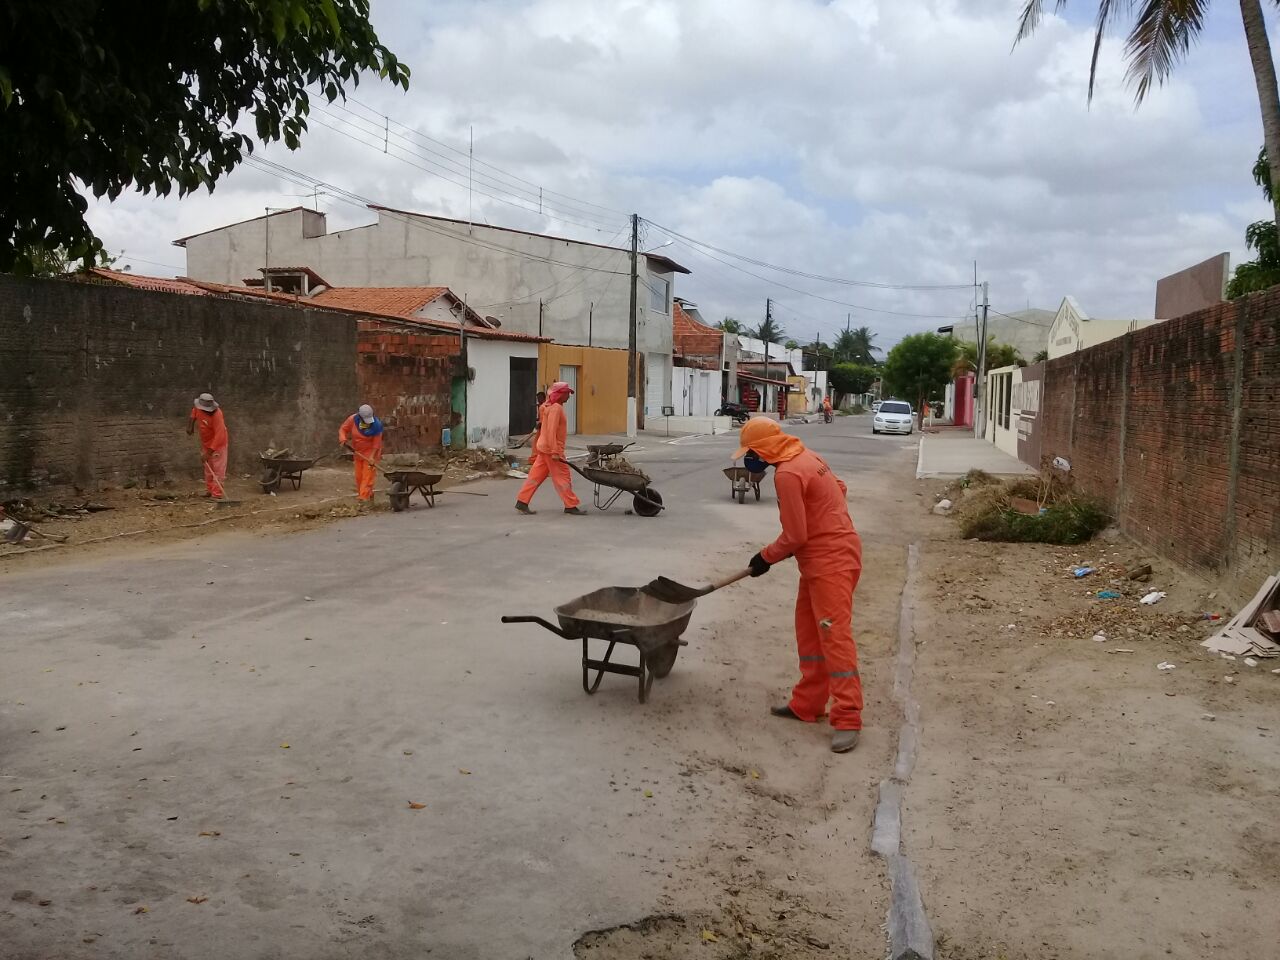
645, 500
405, 483
275, 469
621, 615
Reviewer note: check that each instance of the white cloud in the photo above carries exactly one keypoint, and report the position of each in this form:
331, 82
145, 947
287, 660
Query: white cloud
886, 141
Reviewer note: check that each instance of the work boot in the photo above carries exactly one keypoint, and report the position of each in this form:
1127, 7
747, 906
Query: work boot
842, 741
575, 511
784, 711
524, 508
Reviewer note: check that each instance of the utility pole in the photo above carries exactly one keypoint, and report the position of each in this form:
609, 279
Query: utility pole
768, 321
631, 328
979, 386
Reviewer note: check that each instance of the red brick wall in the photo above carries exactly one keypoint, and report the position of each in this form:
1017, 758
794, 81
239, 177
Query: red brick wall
97, 381
406, 378
1147, 422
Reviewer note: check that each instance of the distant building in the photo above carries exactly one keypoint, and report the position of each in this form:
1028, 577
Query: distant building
1073, 329
1027, 331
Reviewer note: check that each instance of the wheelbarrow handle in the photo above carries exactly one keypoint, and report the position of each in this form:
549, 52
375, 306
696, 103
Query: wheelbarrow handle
538, 620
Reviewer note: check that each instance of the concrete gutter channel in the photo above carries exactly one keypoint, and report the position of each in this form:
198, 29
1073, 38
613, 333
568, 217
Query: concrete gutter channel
910, 937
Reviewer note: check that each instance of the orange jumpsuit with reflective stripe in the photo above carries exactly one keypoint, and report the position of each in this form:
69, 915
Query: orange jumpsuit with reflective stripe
817, 531
371, 447
548, 449
213, 448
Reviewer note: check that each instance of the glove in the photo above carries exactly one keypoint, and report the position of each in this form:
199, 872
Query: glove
753, 463
759, 566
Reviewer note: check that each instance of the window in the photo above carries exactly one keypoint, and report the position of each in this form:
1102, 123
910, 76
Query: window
659, 294
1006, 391
891, 406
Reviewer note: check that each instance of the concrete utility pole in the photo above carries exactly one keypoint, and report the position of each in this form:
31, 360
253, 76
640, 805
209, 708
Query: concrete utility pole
631, 329
768, 319
979, 385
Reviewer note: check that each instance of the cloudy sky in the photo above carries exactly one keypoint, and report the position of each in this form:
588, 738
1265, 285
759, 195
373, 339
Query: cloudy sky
889, 141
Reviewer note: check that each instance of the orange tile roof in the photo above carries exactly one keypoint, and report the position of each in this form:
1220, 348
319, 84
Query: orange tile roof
388, 301
162, 284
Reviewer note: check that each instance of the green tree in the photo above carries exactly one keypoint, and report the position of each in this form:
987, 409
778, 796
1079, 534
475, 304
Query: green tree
1040, 357
919, 367
852, 378
729, 325
791, 345
998, 355
99, 98
1262, 271
1161, 35
58, 262
770, 331
856, 346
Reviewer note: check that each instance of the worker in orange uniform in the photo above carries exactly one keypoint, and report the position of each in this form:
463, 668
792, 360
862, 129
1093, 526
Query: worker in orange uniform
548, 454
817, 531
213, 442
362, 434
826, 409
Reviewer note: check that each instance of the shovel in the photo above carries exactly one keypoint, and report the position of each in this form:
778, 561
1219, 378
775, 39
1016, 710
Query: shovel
669, 591
221, 501
18, 532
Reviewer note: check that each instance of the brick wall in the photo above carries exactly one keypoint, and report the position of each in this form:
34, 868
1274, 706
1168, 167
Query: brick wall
407, 378
96, 382
1177, 428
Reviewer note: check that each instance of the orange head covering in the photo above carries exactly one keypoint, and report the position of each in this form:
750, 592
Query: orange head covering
765, 437
559, 392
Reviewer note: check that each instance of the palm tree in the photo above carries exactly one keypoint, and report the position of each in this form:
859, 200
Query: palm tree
1162, 33
770, 331
856, 346
730, 325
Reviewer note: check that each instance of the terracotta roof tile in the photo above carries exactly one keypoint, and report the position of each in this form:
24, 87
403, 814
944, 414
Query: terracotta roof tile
388, 301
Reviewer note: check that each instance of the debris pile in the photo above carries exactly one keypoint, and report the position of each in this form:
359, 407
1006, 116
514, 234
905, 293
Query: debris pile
1255, 630
1043, 509
29, 511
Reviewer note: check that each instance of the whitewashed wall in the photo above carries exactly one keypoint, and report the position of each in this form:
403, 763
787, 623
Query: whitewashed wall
489, 394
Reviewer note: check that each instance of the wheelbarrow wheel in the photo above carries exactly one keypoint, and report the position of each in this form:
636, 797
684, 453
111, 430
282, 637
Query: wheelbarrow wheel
757, 489
270, 480
647, 503
399, 496
662, 660
742, 494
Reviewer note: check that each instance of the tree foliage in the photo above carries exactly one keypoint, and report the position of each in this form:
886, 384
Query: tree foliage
998, 355
919, 367
852, 378
1263, 270
57, 262
770, 331
102, 97
856, 346
729, 325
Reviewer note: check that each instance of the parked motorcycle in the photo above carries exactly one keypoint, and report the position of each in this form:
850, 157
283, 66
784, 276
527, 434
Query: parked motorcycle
738, 411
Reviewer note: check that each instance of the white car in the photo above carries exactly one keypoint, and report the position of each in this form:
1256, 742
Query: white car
894, 416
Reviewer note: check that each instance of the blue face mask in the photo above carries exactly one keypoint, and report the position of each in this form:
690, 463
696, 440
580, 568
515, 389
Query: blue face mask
753, 463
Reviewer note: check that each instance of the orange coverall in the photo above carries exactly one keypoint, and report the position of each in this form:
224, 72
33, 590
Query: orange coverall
213, 448
547, 449
370, 447
817, 531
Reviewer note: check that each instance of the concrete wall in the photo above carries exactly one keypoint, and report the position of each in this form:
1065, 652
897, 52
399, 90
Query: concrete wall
407, 378
1025, 330
489, 394
695, 393
1073, 329
602, 384
1195, 288
504, 273
1177, 428
97, 382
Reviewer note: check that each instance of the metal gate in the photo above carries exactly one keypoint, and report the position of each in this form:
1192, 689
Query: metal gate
524, 388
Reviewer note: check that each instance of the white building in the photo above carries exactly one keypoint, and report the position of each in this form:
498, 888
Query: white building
1073, 329
566, 290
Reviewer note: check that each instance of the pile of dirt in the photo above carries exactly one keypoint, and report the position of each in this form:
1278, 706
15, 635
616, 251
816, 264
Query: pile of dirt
1043, 509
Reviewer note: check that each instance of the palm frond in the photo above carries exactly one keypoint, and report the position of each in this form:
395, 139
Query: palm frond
1108, 11
1032, 13
1162, 34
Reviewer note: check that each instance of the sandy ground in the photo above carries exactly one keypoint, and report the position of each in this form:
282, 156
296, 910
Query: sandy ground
1071, 799
218, 747
141, 516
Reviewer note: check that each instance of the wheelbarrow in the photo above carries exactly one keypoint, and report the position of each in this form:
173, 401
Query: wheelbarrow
742, 479
602, 454
646, 501
276, 469
405, 483
621, 615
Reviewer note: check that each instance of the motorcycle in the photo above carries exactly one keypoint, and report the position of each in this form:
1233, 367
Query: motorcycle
827, 416
738, 411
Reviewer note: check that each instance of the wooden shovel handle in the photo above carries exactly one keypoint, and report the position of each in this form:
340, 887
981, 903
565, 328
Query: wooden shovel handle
734, 578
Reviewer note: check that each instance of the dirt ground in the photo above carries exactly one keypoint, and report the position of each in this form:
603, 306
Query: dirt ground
174, 511
1072, 800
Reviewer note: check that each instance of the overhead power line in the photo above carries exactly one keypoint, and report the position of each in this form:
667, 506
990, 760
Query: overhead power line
814, 276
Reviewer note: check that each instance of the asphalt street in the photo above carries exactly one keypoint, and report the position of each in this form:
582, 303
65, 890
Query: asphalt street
247, 719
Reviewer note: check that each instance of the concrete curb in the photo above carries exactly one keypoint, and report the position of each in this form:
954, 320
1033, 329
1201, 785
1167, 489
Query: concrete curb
910, 937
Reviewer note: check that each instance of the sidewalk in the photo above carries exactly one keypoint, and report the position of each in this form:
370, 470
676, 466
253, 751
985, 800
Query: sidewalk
953, 454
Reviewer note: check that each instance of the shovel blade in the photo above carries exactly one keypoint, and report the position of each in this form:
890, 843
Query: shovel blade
669, 591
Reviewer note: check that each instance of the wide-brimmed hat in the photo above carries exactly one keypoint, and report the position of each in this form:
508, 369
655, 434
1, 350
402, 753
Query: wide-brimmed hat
206, 402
